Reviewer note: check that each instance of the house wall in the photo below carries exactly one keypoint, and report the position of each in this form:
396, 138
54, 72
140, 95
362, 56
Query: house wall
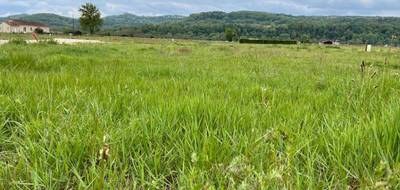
46, 29
5, 28
29, 29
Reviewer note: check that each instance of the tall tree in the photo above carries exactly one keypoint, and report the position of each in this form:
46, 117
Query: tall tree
90, 18
230, 34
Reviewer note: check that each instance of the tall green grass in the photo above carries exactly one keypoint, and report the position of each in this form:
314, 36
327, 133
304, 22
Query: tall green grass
198, 115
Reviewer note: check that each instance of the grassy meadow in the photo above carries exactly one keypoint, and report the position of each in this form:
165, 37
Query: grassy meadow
158, 114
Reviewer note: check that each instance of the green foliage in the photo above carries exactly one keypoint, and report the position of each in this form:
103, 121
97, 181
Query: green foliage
39, 31
257, 41
17, 41
60, 23
129, 20
230, 33
90, 18
211, 26
48, 41
259, 25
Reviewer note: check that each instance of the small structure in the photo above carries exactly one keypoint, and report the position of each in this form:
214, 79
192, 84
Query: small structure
20, 26
75, 33
330, 42
368, 48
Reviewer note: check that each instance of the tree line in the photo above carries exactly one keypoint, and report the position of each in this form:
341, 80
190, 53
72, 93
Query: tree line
247, 24
236, 25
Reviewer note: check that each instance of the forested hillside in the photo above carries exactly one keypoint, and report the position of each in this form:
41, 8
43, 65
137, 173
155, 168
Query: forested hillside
125, 20
211, 25
246, 24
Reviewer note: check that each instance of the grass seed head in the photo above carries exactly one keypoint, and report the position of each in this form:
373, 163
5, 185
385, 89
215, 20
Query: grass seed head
104, 152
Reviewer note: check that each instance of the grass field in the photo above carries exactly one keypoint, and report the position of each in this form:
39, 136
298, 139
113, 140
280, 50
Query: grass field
156, 114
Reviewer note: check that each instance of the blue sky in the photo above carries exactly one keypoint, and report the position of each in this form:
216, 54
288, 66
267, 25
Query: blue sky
186, 7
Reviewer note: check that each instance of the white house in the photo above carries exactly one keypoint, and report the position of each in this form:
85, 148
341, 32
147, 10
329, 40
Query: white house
20, 26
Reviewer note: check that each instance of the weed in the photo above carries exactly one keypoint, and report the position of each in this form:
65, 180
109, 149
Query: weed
17, 41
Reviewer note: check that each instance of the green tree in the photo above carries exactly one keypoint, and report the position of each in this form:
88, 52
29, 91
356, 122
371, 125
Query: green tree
39, 31
230, 34
90, 18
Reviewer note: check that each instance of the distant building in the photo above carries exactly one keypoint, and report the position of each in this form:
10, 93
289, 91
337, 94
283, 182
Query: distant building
330, 42
20, 26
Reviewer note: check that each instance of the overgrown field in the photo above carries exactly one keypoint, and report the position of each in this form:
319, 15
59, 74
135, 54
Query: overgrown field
198, 115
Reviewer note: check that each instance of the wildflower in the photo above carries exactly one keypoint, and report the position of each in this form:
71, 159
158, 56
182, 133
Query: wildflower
104, 152
381, 184
194, 157
263, 89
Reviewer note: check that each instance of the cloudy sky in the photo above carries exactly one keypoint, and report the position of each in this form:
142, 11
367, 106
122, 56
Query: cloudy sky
186, 7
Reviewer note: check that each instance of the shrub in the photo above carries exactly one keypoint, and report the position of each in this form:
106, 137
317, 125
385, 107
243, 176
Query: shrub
52, 42
39, 31
49, 41
229, 34
257, 41
17, 41
77, 33
73, 32
332, 47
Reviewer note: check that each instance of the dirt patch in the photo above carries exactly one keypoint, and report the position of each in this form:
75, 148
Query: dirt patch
184, 51
61, 41
76, 41
3, 42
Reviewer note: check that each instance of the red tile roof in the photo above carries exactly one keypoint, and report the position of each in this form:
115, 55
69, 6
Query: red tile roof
24, 23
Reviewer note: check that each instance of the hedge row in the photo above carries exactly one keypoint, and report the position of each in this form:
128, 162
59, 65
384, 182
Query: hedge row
256, 41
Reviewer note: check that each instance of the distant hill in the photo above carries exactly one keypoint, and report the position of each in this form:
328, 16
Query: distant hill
57, 22
126, 20
248, 24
